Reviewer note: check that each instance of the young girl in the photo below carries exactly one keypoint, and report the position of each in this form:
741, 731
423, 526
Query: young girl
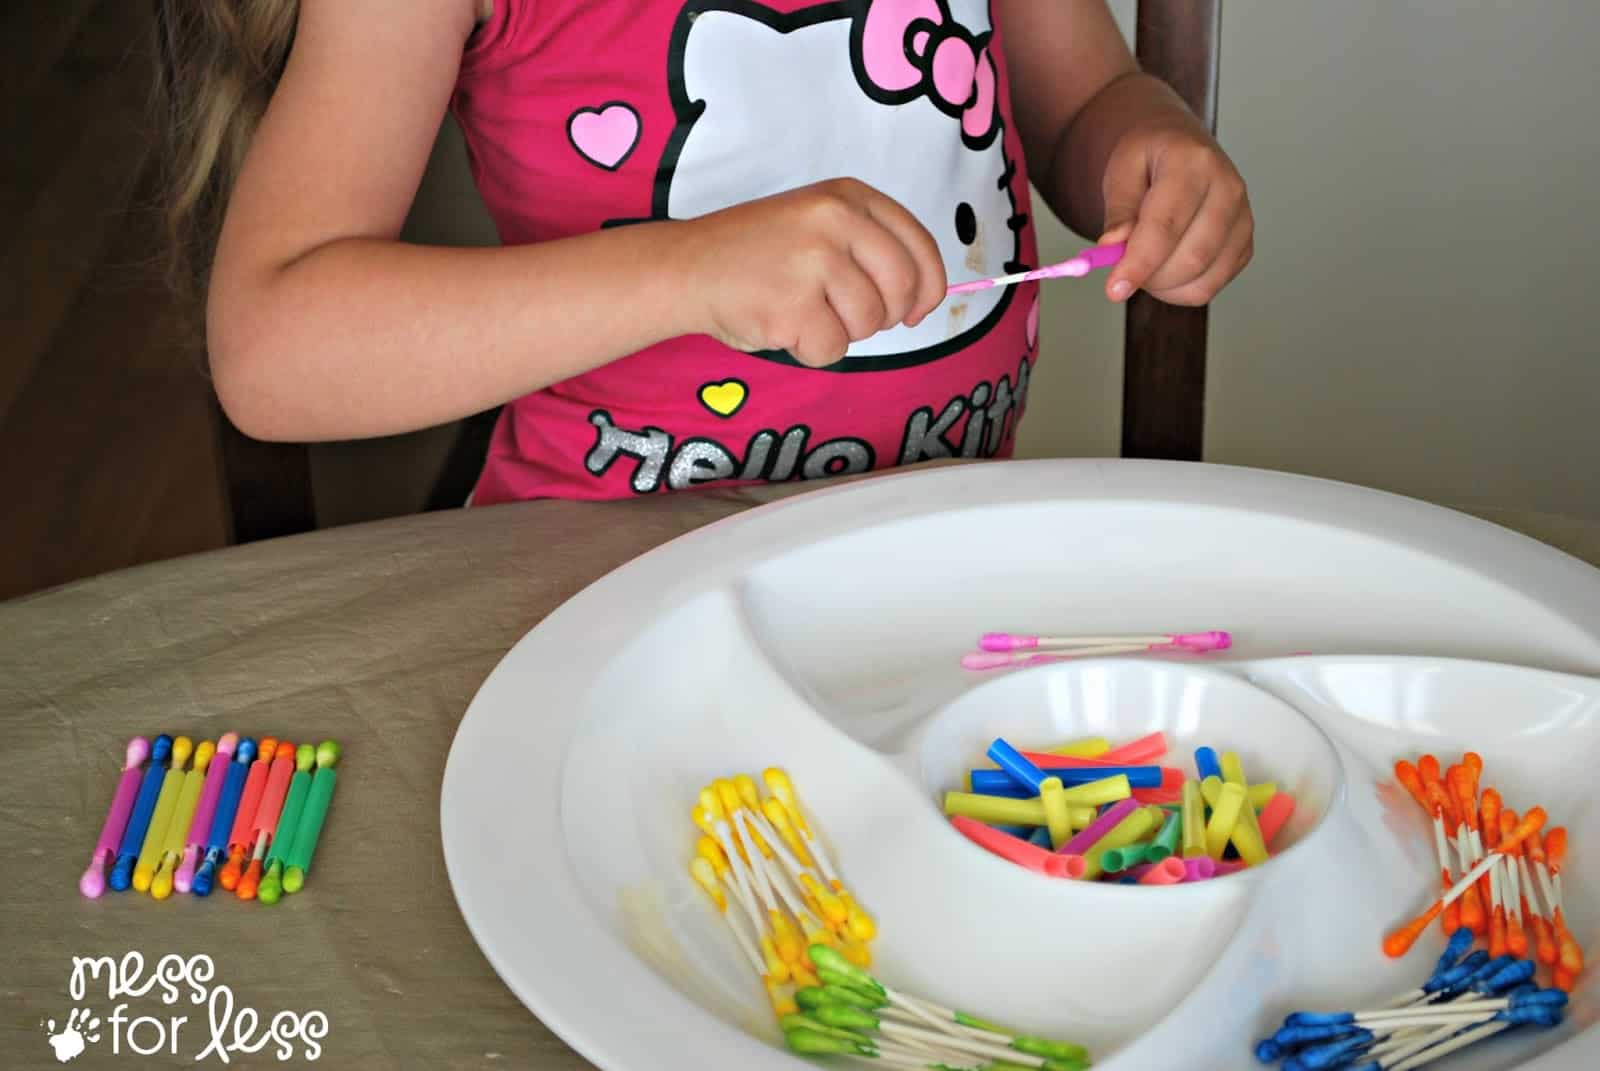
728, 225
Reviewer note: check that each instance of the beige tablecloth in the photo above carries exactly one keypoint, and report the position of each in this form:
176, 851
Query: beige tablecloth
376, 635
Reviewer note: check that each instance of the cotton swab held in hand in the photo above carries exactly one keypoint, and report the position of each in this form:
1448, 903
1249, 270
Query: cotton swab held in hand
1100, 256
93, 882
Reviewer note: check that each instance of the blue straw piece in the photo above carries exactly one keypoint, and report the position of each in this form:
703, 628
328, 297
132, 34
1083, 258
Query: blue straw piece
1002, 783
144, 806
1040, 835
1020, 770
1206, 764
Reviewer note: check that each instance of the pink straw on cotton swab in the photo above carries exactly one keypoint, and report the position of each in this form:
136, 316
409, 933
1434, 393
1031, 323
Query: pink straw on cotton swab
1100, 256
1191, 641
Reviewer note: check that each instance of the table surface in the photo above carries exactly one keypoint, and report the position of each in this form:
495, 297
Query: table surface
377, 635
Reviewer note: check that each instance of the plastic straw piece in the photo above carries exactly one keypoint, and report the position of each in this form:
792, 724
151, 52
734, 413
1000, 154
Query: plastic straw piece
1224, 817
1273, 816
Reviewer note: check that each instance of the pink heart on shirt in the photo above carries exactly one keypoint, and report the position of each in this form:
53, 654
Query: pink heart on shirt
604, 135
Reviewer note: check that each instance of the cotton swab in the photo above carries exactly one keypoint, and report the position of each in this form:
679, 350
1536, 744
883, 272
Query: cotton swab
999, 658
216, 842
265, 822
303, 848
155, 838
1401, 940
200, 824
271, 890
93, 882
240, 837
1192, 641
1100, 256
178, 828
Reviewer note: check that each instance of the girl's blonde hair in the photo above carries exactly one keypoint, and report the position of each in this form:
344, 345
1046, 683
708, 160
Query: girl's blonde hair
219, 62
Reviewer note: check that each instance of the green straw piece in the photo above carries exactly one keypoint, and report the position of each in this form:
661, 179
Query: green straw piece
304, 845
1166, 842
305, 757
1116, 860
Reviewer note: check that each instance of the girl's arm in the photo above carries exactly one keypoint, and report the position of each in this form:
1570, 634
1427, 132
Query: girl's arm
322, 325
1117, 154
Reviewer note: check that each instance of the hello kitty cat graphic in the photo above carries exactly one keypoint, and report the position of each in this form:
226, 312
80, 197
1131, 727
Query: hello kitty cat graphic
902, 95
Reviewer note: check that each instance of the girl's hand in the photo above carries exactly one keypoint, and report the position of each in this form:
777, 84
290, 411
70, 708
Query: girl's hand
1174, 196
811, 270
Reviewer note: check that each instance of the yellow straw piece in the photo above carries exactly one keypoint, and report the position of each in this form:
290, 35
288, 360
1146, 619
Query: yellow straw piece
1055, 811
1232, 769
1090, 747
1247, 839
1125, 832
1261, 794
1096, 793
995, 810
1224, 817
1194, 821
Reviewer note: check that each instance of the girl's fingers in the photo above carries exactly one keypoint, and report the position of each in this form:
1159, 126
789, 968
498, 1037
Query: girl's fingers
892, 269
1164, 217
930, 287
1235, 255
823, 339
1203, 243
855, 300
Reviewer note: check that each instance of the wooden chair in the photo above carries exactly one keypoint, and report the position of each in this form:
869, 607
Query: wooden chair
269, 485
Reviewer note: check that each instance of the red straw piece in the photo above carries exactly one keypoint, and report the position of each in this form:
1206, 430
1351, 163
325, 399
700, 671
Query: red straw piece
1020, 852
1141, 752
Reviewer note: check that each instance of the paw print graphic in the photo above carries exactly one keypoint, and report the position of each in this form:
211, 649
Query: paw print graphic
81, 1028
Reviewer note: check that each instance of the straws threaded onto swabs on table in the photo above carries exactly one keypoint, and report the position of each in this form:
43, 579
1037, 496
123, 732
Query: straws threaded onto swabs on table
768, 874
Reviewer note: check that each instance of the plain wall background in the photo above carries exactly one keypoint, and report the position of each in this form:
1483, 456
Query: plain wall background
1417, 317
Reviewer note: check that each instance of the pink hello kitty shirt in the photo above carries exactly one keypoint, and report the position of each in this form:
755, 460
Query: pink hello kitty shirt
583, 114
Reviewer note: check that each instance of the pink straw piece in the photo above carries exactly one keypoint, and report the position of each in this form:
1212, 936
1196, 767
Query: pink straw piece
1141, 752
93, 881
1089, 836
1170, 871
1200, 868
1088, 260
200, 825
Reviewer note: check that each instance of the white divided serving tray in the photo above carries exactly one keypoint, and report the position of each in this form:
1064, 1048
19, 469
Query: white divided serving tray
822, 634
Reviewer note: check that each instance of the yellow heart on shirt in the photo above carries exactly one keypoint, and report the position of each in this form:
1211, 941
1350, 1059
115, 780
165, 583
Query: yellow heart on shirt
725, 398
